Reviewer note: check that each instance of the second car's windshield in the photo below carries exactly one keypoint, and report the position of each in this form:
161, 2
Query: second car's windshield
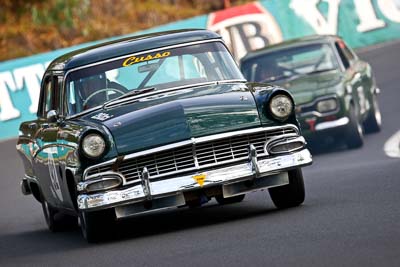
290, 62
156, 69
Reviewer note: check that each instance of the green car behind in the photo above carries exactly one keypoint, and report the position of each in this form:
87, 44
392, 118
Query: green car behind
335, 91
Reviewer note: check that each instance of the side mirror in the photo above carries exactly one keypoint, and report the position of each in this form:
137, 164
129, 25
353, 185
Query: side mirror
52, 115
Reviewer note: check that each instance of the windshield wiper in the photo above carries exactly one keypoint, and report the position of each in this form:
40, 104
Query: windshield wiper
130, 93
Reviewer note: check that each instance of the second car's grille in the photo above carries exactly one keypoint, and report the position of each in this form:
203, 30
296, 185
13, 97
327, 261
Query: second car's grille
193, 156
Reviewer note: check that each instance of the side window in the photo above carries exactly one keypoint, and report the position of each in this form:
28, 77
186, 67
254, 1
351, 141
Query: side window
48, 100
49, 96
343, 57
348, 53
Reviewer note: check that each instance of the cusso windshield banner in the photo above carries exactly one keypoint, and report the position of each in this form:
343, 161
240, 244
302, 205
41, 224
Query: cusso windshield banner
243, 28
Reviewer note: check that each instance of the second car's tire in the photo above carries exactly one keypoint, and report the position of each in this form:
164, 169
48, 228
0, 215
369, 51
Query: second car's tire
355, 135
229, 200
97, 225
374, 120
290, 195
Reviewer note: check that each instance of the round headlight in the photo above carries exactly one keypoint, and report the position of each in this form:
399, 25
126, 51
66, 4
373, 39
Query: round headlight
281, 106
93, 145
326, 105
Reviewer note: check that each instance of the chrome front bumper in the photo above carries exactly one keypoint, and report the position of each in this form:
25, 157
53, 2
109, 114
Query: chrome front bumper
332, 124
152, 190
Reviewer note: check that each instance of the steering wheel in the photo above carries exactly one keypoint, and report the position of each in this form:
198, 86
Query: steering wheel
101, 91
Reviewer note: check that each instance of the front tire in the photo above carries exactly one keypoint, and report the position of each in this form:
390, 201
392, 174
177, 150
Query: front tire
97, 225
55, 220
290, 195
374, 121
49, 214
355, 136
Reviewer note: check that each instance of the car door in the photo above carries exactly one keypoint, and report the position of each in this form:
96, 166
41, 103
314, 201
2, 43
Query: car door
46, 160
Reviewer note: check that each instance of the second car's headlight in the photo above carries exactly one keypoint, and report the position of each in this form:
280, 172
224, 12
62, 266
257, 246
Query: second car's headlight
281, 106
326, 105
93, 145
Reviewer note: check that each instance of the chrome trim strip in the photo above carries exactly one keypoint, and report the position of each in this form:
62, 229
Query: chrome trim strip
82, 186
244, 132
173, 186
30, 178
158, 149
284, 140
105, 163
194, 141
332, 124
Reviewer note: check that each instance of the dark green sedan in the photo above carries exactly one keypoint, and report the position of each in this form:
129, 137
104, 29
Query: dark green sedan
153, 122
335, 92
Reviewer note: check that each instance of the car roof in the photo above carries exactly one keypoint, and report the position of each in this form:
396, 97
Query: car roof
312, 39
128, 45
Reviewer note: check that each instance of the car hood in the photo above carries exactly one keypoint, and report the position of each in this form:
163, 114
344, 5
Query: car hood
306, 88
174, 116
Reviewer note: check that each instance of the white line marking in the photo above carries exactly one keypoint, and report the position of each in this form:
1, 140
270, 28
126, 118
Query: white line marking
392, 146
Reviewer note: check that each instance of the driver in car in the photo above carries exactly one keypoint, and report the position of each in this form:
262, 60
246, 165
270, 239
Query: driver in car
97, 89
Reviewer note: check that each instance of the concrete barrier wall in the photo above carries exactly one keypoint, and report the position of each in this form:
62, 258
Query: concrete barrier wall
247, 27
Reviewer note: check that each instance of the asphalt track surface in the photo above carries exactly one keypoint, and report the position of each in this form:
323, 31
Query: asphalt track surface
351, 216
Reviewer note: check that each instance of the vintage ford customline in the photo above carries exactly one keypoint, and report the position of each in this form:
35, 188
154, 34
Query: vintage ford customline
156, 121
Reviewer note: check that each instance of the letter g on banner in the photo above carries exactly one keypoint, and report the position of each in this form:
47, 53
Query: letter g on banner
245, 28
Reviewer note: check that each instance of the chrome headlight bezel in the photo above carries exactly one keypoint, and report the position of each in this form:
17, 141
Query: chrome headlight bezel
281, 106
93, 145
331, 104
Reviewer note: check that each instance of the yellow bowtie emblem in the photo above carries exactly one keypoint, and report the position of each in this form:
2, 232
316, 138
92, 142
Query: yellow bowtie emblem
200, 178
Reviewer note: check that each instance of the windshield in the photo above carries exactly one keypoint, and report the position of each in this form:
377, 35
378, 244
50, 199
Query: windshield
149, 71
290, 63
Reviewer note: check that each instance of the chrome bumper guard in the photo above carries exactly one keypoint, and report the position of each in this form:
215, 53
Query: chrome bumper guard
252, 170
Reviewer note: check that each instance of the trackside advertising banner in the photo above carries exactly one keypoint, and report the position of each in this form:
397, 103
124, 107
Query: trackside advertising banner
244, 28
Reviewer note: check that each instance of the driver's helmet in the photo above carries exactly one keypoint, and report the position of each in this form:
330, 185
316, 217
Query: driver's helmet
87, 88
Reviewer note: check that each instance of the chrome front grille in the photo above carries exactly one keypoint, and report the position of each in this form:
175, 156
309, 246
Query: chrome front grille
159, 163
208, 153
